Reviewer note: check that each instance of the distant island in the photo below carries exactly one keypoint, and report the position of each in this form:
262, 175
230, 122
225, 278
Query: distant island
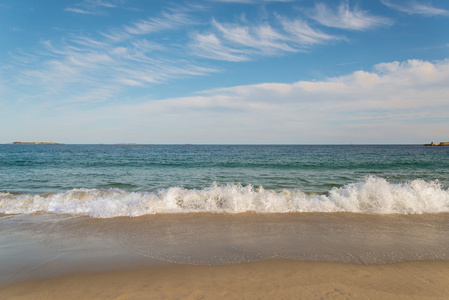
34, 143
126, 144
438, 144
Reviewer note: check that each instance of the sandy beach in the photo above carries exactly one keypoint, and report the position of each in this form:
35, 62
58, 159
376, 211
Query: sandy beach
258, 280
220, 256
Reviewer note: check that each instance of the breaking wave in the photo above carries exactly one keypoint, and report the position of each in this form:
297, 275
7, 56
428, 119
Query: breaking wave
371, 196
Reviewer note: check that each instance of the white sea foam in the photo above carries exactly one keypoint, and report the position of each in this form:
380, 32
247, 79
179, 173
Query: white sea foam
372, 196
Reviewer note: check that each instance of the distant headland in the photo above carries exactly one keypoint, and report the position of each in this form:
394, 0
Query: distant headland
34, 143
438, 144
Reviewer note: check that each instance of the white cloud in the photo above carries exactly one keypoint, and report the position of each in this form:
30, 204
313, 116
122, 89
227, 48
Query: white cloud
398, 102
175, 18
346, 18
250, 1
93, 7
209, 46
235, 42
83, 64
167, 21
78, 11
303, 35
128, 57
137, 55
414, 7
262, 37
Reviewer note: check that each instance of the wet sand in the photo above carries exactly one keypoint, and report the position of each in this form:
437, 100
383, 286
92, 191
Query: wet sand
257, 280
213, 256
216, 239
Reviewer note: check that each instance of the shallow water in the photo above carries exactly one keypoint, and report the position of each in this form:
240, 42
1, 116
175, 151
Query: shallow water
48, 244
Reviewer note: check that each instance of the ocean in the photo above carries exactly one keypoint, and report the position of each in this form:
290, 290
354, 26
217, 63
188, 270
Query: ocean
220, 204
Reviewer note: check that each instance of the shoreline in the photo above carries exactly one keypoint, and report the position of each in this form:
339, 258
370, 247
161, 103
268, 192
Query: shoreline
48, 245
210, 256
269, 279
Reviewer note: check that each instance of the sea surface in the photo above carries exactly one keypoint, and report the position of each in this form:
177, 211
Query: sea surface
219, 204
106, 181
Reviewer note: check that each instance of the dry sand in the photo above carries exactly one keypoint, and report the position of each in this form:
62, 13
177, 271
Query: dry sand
258, 280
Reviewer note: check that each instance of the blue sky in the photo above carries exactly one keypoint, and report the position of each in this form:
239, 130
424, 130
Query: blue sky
224, 71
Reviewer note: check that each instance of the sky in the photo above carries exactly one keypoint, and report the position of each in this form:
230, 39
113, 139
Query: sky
224, 71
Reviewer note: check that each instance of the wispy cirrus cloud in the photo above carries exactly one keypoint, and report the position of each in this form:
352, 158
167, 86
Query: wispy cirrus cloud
237, 42
346, 18
157, 49
126, 57
416, 8
171, 19
79, 10
135, 55
93, 7
263, 36
210, 46
85, 66
303, 35
168, 20
250, 1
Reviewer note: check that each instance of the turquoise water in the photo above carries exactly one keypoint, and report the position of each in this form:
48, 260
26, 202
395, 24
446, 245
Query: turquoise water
57, 168
309, 174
